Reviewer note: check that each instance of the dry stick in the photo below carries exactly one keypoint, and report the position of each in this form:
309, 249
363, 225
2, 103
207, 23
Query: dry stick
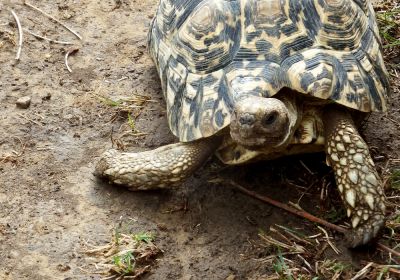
47, 39
288, 208
393, 121
305, 215
53, 18
20, 35
387, 249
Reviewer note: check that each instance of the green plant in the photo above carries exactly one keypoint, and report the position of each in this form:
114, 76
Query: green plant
143, 237
389, 26
131, 122
281, 268
109, 101
395, 179
125, 262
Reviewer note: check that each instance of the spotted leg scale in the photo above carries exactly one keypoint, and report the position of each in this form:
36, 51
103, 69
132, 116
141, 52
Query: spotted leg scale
164, 167
358, 182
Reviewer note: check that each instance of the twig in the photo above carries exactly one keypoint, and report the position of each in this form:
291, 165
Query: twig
71, 51
292, 210
306, 167
121, 79
48, 39
20, 35
54, 19
387, 249
305, 215
393, 121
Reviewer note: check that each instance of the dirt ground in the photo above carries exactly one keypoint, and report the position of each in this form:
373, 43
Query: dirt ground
51, 206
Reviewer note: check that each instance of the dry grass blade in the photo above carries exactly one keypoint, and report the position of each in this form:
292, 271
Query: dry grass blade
292, 248
288, 259
327, 239
331, 269
20, 35
54, 19
68, 53
295, 236
380, 271
47, 39
362, 272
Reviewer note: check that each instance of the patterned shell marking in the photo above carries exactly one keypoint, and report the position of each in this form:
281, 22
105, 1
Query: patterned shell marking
211, 53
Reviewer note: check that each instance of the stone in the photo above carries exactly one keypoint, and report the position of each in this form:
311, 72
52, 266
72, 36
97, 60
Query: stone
23, 102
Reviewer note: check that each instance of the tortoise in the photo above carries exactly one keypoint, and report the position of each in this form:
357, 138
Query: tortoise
260, 79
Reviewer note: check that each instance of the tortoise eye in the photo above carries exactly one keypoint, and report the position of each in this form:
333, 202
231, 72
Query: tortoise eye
270, 118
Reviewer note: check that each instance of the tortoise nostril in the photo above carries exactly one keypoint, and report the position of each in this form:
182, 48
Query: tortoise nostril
270, 118
246, 119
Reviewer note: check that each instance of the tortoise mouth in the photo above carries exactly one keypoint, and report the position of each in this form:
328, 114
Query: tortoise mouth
255, 143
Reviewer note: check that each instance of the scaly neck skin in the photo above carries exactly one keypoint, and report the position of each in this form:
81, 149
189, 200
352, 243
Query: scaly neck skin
260, 123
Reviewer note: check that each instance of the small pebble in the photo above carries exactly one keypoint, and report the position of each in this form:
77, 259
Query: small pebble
63, 267
24, 102
45, 96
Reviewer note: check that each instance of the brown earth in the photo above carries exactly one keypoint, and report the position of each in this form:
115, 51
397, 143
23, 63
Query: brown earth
52, 207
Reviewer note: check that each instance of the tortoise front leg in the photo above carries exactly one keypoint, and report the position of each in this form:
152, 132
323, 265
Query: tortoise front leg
163, 167
356, 177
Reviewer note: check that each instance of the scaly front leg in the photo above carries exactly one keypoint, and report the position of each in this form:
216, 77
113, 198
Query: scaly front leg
356, 177
163, 167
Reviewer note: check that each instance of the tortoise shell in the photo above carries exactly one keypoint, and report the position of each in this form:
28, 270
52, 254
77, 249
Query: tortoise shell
211, 53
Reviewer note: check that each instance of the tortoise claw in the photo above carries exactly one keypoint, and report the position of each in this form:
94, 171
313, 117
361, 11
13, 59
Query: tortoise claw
104, 163
365, 233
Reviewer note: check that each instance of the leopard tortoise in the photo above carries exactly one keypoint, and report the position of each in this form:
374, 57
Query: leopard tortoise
260, 79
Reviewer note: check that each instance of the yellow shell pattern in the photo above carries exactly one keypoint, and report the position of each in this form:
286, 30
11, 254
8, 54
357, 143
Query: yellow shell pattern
211, 53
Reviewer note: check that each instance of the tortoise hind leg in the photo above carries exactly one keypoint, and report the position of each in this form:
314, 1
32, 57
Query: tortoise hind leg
163, 167
356, 177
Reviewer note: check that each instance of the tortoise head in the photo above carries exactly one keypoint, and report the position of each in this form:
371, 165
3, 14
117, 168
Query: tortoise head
263, 122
